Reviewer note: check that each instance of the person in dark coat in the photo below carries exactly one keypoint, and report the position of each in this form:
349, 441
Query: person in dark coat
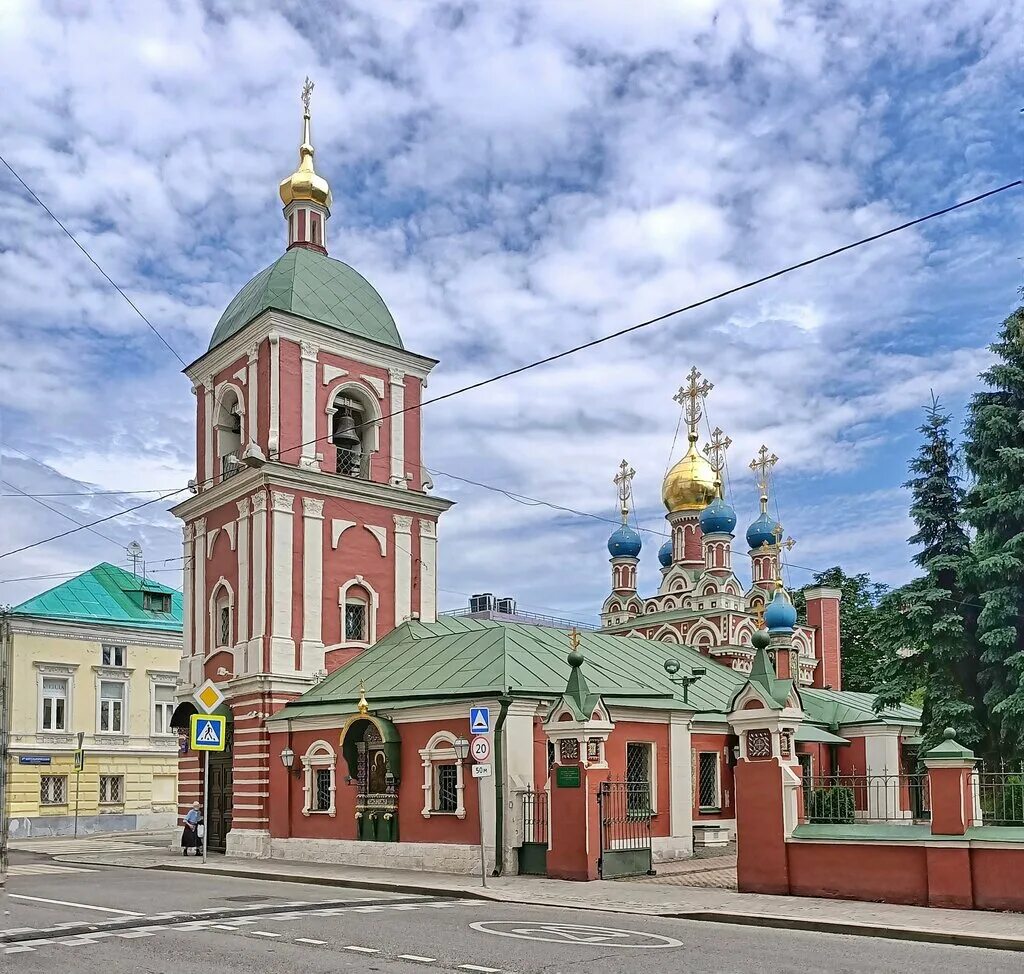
190, 838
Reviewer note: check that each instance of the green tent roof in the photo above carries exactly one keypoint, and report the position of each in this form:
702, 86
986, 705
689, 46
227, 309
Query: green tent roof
303, 282
105, 593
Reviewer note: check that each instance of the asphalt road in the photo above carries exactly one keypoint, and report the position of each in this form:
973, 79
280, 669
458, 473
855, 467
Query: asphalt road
303, 928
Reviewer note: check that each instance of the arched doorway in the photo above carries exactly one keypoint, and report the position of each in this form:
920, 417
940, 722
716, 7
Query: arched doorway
371, 747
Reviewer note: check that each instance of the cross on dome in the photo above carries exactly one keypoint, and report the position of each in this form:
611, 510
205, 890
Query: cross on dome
762, 466
623, 480
691, 397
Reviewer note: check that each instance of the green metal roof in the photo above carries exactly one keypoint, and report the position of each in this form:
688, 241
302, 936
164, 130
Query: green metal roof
835, 707
419, 664
303, 282
105, 593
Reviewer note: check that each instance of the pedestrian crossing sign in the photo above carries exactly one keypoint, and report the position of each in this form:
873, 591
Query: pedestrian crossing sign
207, 732
479, 720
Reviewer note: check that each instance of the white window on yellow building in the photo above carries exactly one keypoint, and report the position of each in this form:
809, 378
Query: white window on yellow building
111, 789
53, 709
163, 707
111, 707
113, 655
53, 789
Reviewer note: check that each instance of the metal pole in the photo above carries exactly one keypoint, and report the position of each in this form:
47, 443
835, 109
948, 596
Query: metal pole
78, 778
206, 803
6, 641
480, 815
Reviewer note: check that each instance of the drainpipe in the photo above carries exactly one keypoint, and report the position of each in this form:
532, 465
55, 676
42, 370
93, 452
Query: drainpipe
505, 701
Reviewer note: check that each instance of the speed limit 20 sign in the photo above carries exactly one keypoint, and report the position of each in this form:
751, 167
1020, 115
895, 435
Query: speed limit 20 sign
480, 749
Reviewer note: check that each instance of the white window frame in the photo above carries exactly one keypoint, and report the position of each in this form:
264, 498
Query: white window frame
167, 706
371, 611
432, 756
213, 609
717, 807
318, 757
123, 732
46, 804
652, 749
109, 802
114, 649
66, 680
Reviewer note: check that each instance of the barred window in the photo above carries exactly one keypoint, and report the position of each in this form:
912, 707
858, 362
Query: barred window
111, 789
53, 789
322, 801
224, 633
446, 793
708, 789
355, 621
638, 776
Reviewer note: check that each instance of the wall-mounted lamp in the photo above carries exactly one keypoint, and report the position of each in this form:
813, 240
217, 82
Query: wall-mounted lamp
672, 667
288, 760
461, 748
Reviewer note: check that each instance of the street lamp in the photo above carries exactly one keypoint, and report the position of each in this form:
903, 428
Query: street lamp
672, 667
461, 747
288, 758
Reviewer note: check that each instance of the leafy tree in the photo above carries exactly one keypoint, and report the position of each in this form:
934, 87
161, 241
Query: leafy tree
861, 651
995, 507
927, 626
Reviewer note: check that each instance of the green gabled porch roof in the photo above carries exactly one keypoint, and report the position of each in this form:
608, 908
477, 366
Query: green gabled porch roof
104, 595
833, 708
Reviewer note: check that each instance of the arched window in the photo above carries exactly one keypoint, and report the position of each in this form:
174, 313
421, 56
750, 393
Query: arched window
357, 602
443, 785
222, 605
319, 787
229, 431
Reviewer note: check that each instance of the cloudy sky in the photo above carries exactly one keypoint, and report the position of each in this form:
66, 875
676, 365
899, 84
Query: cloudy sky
514, 178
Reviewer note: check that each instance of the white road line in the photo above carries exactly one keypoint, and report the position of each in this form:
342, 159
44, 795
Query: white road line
422, 960
477, 967
18, 949
405, 906
132, 934
263, 933
362, 950
306, 940
81, 906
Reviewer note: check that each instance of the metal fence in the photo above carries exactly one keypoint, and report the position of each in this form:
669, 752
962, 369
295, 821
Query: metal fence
625, 811
847, 799
535, 816
999, 797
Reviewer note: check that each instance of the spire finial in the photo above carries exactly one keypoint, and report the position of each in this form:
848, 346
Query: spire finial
363, 706
623, 480
715, 452
762, 465
691, 397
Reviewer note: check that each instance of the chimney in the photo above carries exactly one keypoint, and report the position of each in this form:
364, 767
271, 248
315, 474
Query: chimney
823, 617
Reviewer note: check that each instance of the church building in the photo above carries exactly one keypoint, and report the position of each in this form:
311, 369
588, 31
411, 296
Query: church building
310, 590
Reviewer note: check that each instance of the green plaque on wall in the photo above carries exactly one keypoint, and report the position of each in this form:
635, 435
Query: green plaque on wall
568, 777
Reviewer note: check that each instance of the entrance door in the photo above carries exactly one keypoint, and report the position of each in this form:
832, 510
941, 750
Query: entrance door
219, 823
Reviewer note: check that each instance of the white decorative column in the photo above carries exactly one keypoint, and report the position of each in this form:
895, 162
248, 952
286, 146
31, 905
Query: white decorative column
312, 648
397, 428
428, 571
188, 639
252, 387
680, 821
308, 354
274, 435
282, 646
199, 590
209, 473
242, 547
254, 660
403, 568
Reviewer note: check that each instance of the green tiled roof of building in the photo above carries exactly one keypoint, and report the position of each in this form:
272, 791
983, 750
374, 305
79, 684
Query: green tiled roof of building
305, 283
106, 594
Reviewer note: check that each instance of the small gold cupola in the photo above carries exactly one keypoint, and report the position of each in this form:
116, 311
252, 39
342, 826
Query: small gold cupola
305, 194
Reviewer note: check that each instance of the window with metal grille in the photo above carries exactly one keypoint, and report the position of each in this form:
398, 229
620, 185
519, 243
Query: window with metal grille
224, 631
113, 655
53, 789
111, 707
55, 705
446, 795
708, 792
322, 801
111, 789
163, 707
638, 777
355, 621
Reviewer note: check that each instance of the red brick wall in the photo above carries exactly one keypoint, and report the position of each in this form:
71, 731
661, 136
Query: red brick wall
857, 871
823, 616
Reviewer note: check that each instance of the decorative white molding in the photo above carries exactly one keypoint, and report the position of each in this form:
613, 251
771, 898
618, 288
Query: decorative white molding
440, 750
242, 615
308, 352
199, 589
312, 507
259, 501
259, 570
252, 427
381, 534
241, 376
332, 372
207, 479
318, 756
211, 540
403, 524
403, 568
312, 648
428, 570
282, 501
371, 622
282, 647
338, 528
375, 383
397, 429
273, 439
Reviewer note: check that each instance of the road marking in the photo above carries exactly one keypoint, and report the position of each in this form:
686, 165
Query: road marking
416, 957
575, 933
263, 933
405, 906
43, 869
477, 967
132, 934
81, 906
362, 950
306, 940
18, 949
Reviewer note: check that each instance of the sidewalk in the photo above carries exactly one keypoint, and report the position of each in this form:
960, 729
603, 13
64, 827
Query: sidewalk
1004, 931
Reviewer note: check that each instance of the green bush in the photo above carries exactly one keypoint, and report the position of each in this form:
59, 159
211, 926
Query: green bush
833, 805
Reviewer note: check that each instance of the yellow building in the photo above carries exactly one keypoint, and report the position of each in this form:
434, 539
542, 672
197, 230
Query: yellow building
97, 656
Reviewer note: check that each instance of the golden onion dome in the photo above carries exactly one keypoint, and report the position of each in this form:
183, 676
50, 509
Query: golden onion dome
305, 184
691, 484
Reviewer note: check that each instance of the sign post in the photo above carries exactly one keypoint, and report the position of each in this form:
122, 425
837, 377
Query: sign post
79, 764
480, 723
207, 733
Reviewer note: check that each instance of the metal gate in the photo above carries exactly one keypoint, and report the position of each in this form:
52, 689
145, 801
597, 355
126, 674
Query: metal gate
533, 853
625, 811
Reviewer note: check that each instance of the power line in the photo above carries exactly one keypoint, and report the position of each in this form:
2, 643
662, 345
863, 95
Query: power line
67, 517
84, 493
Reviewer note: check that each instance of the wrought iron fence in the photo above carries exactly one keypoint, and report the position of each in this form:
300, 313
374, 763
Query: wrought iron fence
999, 797
535, 816
625, 814
846, 799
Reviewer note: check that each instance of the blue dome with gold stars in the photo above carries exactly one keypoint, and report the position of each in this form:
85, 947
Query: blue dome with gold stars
624, 542
717, 518
762, 531
665, 554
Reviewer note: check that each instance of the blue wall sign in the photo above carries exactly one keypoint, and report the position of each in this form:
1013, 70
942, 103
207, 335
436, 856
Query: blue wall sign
35, 759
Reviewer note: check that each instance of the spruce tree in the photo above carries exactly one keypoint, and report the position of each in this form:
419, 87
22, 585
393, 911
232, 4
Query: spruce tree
929, 623
995, 507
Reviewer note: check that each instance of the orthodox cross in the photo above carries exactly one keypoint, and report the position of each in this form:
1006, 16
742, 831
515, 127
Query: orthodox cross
574, 639
759, 614
691, 396
779, 543
307, 90
762, 466
623, 480
715, 452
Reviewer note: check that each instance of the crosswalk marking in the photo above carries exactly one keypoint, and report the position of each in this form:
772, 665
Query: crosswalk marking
43, 869
362, 950
417, 957
306, 940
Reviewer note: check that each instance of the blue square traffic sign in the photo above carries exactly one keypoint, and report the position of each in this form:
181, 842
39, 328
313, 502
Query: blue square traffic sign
479, 720
207, 732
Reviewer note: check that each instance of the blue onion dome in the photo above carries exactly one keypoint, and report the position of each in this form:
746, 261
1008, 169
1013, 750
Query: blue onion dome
624, 542
780, 616
665, 554
761, 531
717, 518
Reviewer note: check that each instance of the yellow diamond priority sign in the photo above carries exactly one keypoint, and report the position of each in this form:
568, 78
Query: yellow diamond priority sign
208, 697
